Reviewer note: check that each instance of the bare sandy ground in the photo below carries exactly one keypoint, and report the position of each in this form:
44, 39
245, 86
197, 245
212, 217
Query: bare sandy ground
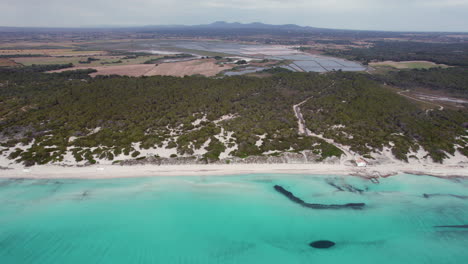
116, 171
203, 67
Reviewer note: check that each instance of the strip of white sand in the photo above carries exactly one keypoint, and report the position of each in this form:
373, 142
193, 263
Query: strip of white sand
117, 171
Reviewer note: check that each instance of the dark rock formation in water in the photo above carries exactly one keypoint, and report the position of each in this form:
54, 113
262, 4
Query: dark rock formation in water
333, 184
454, 226
297, 200
427, 195
344, 187
322, 244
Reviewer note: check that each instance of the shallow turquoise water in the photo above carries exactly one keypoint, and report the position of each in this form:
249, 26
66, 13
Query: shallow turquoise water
231, 219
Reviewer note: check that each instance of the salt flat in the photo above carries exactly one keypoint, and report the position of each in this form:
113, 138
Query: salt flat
301, 61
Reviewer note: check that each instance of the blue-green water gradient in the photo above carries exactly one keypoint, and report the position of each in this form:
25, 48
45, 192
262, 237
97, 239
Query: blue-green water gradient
232, 219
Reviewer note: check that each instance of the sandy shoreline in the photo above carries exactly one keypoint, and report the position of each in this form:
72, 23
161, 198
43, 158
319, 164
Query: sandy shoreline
116, 171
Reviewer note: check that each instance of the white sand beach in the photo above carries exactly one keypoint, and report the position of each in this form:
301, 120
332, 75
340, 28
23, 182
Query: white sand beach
117, 171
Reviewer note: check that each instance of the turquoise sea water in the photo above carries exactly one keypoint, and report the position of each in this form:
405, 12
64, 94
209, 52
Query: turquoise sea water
232, 219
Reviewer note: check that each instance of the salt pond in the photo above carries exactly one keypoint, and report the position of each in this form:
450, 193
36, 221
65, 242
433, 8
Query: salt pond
301, 61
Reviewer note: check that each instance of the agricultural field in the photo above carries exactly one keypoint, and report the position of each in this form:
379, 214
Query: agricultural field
408, 64
50, 52
206, 67
83, 60
7, 63
129, 55
124, 70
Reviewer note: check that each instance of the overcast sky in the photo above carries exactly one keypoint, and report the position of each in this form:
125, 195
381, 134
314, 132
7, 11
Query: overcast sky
405, 15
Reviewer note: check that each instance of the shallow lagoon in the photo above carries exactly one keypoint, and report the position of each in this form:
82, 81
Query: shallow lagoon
232, 219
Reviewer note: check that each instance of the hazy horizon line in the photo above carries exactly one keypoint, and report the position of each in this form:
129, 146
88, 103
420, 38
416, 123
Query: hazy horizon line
110, 26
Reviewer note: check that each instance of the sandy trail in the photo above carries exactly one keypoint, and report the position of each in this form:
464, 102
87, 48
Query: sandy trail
303, 130
416, 99
300, 119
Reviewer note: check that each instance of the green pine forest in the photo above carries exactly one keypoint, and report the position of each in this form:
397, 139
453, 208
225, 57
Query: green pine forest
45, 111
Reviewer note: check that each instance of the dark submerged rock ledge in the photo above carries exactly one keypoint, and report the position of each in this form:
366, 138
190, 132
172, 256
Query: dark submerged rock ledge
454, 226
297, 200
322, 244
428, 195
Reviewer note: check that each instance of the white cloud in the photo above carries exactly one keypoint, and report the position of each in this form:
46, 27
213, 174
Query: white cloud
445, 3
294, 4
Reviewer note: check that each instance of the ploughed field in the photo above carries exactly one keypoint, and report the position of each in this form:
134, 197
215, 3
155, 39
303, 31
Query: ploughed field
206, 67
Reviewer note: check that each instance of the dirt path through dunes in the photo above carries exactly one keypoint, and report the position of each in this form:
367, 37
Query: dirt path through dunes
416, 99
300, 119
303, 130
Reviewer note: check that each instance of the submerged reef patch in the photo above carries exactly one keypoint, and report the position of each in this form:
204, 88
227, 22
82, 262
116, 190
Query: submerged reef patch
322, 244
297, 200
343, 187
454, 226
428, 195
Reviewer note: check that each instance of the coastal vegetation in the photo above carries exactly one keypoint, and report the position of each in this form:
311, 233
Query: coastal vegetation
169, 57
46, 116
453, 80
454, 54
369, 118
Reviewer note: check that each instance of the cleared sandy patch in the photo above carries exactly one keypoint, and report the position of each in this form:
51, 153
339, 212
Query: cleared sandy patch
203, 67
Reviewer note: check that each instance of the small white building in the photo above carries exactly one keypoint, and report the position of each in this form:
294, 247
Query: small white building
361, 162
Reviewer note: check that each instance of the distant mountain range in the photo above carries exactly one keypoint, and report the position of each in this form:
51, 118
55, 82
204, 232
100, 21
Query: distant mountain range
215, 25
237, 25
